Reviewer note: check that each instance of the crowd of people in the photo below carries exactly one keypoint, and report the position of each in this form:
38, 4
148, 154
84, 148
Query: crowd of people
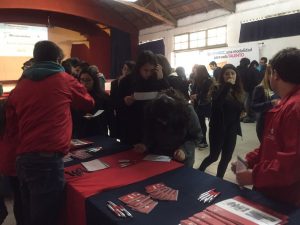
53, 102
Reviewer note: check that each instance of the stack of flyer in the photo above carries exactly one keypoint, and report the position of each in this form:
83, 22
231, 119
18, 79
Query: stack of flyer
236, 211
79, 143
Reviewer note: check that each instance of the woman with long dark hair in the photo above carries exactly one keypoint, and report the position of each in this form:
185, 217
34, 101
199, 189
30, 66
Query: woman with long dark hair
201, 100
224, 126
147, 77
83, 124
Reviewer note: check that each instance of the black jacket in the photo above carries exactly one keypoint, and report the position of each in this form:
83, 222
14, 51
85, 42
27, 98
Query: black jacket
225, 113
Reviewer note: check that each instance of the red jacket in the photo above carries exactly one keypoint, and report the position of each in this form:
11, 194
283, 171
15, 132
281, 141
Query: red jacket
39, 118
276, 163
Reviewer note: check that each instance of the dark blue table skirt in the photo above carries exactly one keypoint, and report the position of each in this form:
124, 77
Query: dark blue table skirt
109, 145
190, 184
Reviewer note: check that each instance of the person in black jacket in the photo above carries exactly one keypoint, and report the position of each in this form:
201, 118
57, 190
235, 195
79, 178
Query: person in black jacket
224, 125
147, 77
171, 127
172, 77
263, 99
201, 100
249, 77
127, 69
83, 124
217, 70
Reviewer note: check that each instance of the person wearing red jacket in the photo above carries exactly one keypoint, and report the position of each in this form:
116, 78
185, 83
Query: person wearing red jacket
274, 168
38, 131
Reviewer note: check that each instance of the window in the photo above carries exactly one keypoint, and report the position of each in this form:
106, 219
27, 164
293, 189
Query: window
201, 39
197, 39
181, 42
216, 36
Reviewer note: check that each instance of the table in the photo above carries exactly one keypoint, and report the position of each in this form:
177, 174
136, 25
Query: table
190, 183
81, 187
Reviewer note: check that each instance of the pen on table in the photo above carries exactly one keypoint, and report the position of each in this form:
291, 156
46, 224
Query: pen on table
115, 207
113, 210
125, 211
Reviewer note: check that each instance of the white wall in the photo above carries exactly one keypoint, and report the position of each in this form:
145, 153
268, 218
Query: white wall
244, 11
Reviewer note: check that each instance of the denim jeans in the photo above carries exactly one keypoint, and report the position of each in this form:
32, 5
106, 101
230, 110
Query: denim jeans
42, 185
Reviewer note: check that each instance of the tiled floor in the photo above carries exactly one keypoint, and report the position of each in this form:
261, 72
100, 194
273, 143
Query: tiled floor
248, 142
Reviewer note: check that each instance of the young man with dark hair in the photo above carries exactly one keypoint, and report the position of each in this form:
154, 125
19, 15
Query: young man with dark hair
39, 120
217, 70
274, 167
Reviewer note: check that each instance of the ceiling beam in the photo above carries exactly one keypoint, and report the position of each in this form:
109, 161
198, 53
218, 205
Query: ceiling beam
147, 11
226, 4
165, 11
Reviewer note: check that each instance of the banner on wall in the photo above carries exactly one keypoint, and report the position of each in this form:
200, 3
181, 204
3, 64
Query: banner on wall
221, 56
231, 55
19, 40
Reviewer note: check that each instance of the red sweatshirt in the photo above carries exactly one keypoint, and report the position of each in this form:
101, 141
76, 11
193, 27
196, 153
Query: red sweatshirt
39, 118
276, 163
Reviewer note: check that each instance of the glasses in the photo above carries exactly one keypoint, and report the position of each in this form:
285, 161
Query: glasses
86, 80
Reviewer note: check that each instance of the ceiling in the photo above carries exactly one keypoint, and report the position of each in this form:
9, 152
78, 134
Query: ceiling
147, 13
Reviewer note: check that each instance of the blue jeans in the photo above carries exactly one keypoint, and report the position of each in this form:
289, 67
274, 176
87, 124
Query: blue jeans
42, 186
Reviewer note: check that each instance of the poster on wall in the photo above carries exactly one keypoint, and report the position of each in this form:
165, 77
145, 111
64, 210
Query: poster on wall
19, 40
221, 56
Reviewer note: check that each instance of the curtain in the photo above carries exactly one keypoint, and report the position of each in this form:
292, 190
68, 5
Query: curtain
120, 51
157, 47
282, 26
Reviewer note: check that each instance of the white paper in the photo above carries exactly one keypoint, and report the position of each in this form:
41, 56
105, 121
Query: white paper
248, 212
157, 158
100, 111
145, 95
94, 165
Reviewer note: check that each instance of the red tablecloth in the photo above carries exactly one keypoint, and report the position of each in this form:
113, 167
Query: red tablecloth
80, 188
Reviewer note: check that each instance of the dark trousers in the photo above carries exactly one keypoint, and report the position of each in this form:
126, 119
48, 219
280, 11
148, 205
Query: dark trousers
220, 144
14, 183
42, 185
3, 210
248, 103
203, 128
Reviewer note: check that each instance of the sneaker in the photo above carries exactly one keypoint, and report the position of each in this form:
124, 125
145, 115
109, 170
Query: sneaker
248, 120
203, 145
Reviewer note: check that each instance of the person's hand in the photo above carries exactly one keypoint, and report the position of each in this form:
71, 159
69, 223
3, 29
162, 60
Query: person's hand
231, 81
275, 101
193, 97
244, 178
233, 167
158, 71
179, 155
129, 100
140, 148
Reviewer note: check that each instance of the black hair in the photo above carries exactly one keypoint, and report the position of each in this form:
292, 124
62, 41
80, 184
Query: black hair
238, 90
253, 63
168, 111
144, 58
166, 67
67, 66
264, 59
213, 63
244, 62
96, 90
130, 65
47, 51
181, 73
286, 63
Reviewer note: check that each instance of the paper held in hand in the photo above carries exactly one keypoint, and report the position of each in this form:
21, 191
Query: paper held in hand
157, 158
94, 165
99, 112
145, 95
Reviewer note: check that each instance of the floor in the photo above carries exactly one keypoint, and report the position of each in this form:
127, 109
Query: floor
245, 144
